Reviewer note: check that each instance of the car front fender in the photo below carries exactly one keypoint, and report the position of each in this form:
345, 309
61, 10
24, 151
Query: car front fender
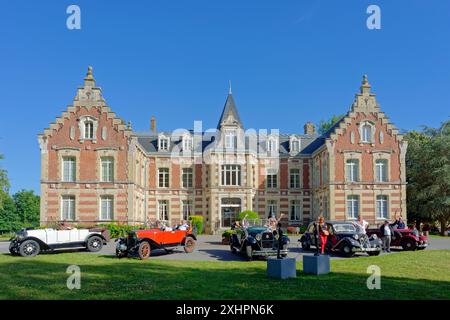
42, 244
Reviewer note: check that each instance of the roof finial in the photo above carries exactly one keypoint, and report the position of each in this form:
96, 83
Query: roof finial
229, 87
89, 79
365, 87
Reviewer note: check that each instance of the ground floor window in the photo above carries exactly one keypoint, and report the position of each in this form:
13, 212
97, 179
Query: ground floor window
186, 209
294, 213
106, 207
163, 210
230, 208
68, 208
382, 207
352, 207
272, 208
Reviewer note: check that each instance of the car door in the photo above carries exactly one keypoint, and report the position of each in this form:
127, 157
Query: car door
62, 236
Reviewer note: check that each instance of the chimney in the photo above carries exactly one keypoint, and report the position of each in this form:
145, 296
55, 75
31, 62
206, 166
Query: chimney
153, 124
309, 128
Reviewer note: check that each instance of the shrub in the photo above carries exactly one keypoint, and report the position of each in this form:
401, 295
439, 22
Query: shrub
250, 215
228, 233
118, 230
197, 222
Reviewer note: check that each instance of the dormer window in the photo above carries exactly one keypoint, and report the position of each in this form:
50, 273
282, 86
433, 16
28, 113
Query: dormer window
367, 132
163, 143
294, 145
272, 145
230, 139
88, 128
187, 143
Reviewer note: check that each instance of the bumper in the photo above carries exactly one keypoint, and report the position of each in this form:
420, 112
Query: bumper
268, 252
422, 245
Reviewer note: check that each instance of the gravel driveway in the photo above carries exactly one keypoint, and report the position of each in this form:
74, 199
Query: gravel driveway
209, 248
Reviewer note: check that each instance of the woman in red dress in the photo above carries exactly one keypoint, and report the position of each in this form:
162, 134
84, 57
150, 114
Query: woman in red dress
323, 234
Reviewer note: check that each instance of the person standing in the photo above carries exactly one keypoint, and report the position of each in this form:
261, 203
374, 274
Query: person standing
362, 223
386, 232
323, 234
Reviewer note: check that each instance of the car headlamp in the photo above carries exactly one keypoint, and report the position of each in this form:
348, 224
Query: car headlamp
258, 237
355, 236
374, 237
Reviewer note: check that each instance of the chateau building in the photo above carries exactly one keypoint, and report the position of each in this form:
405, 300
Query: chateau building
96, 169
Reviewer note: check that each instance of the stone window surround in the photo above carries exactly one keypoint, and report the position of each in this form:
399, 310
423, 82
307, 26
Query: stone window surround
372, 133
181, 176
191, 201
300, 173
81, 122
61, 197
300, 213
161, 137
68, 152
102, 153
272, 172
100, 206
349, 155
158, 201
293, 139
358, 197
277, 208
162, 166
380, 155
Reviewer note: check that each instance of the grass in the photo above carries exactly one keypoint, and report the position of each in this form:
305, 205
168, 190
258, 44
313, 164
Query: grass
406, 275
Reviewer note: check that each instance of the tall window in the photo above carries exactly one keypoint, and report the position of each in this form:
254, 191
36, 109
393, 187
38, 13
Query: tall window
272, 145
352, 168
163, 210
106, 207
69, 169
231, 175
230, 139
272, 208
294, 211
187, 177
107, 169
186, 209
366, 133
295, 145
324, 170
294, 179
271, 179
381, 170
352, 207
163, 144
382, 207
68, 208
187, 143
89, 130
163, 177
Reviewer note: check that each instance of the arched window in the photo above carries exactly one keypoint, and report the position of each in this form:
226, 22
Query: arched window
88, 130
367, 132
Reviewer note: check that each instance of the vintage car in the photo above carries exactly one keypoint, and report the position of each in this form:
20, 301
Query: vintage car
258, 240
29, 242
142, 242
403, 238
346, 238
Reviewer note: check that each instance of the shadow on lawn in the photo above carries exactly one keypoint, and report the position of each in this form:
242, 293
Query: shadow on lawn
101, 278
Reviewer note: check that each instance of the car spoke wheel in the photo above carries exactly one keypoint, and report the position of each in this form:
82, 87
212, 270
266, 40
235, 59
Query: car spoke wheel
144, 250
94, 244
29, 248
189, 245
409, 246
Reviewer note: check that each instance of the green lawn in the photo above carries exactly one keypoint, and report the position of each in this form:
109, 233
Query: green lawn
405, 275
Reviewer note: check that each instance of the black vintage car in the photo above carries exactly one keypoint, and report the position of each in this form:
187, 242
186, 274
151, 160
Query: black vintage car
346, 238
258, 240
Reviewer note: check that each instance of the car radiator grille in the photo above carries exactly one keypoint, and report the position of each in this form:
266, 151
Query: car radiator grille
267, 240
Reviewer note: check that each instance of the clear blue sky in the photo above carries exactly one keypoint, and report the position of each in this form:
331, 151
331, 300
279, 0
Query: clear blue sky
289, 61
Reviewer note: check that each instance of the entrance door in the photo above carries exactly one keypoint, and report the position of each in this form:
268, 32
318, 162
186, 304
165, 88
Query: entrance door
230, 208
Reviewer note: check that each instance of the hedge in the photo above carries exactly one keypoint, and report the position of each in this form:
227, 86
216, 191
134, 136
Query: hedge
197, 222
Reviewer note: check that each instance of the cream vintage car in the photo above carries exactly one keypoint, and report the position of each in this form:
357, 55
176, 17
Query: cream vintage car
28, 243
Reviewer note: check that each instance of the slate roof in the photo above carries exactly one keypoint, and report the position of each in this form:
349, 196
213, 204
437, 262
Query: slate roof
230, 107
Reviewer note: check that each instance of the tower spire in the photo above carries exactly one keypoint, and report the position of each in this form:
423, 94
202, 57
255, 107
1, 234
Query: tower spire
229, 87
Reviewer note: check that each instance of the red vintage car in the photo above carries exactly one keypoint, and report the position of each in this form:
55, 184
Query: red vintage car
403, 238
142, 242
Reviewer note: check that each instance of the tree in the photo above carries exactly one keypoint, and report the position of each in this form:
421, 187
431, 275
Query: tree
4, 182
27, 207
428, 174
9, 219
325, 125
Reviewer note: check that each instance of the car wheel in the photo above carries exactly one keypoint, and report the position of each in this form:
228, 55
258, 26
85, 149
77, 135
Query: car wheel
144, 250
29, 248
249, 252
94, 244
374, 253
409, 246
305, 245
189, 245
346, 251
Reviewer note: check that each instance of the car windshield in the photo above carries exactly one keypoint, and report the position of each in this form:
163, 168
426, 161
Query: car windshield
345, 228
